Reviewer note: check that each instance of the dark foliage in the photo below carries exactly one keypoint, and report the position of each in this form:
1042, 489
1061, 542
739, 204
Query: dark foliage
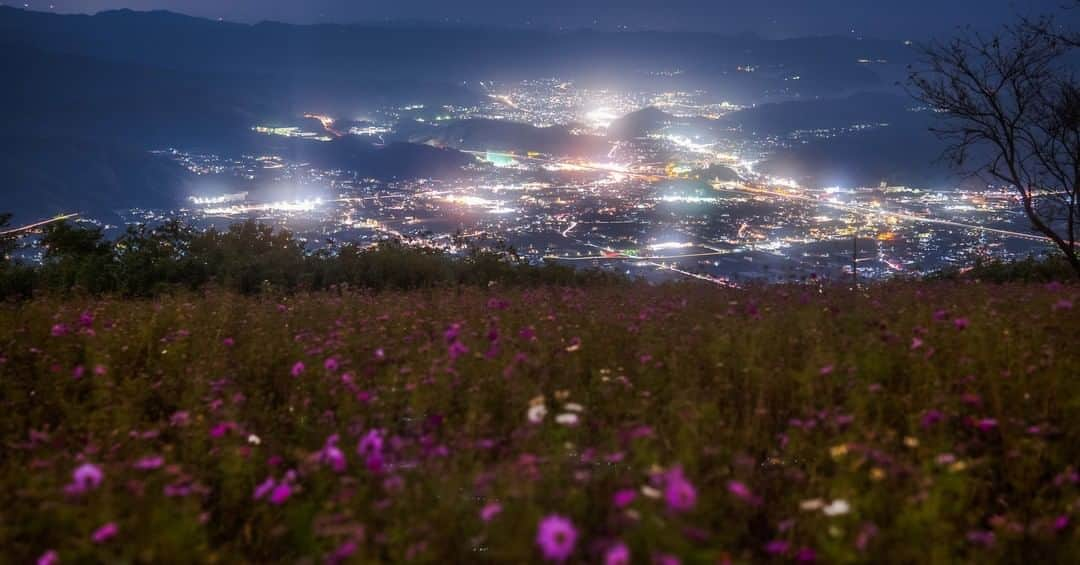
252, 258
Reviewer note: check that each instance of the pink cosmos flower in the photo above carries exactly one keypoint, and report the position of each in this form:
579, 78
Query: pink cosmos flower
624, 498
679, 494
85, 478
1061, 522
556, 537
370, 444
490, 511
456, 350
179, 419
332, 456
228, 342
297, 369
49, 558
331, 364
777, 547
150, 462
264, 488
805, 555
931, 418
281, 493
742, 492
826, 370
617, 554
60, 330
105, 533
343, 552
986, 424
961, 323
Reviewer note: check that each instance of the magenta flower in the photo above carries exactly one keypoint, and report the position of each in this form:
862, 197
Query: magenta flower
624, 498
451, 334
556, 537
179, 419
105, 533
1061, 522
456, 350
986, 424
679, 494
742, 492
297, 369
281, 493
826, 370
961, 323
331, 364
931, 418
228, 342
49, 558
264, 488
85, 478
777, 547
370, 444
150, 463
617, 554
805, 555
332, 456
490, 511
60, 330
343, 552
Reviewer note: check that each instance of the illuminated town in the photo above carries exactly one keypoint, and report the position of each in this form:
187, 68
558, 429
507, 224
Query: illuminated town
677, 201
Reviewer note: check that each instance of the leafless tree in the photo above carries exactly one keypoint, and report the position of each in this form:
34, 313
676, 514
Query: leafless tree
1009, 105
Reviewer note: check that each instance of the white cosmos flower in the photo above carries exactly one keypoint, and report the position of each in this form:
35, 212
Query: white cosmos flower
536, 413
839, 507
574, 407
650, 492
254, 439
567, 419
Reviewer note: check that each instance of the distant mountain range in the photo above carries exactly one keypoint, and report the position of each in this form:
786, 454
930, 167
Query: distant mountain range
335, 57
86, 97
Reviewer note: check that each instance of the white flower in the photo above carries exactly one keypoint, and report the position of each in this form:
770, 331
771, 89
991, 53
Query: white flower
650, 492
537, 413
567, 419
839, 507
254, 439
812, 505
574, 407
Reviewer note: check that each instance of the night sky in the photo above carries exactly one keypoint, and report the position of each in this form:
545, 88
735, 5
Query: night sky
769, 18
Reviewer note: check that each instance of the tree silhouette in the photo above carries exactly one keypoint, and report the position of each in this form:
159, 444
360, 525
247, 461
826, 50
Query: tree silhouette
1010, 107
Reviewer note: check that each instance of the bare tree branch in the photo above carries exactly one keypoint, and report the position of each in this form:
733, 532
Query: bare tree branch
1010, 106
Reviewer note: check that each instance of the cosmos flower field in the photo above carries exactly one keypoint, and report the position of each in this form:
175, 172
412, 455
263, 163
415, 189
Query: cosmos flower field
910, 422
